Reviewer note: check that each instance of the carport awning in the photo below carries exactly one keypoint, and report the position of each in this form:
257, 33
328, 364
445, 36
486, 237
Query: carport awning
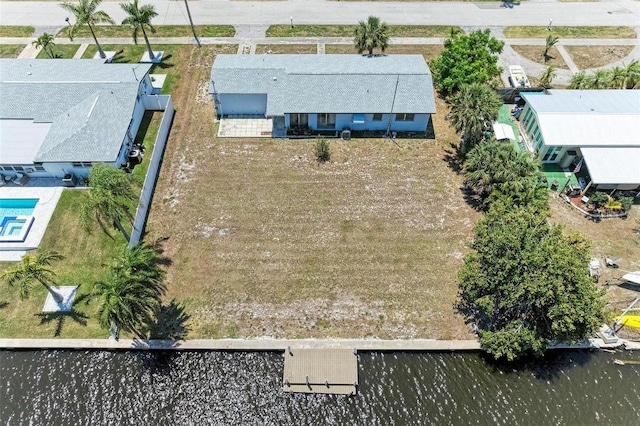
613, 165
503, 131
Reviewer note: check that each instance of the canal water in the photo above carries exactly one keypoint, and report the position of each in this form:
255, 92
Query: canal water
235, 388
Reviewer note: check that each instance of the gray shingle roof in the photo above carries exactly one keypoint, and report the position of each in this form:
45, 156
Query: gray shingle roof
89, 104
328, 83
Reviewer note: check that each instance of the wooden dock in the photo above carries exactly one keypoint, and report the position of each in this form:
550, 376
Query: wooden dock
332, 371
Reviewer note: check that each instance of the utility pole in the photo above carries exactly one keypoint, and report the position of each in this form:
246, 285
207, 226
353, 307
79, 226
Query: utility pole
193, 29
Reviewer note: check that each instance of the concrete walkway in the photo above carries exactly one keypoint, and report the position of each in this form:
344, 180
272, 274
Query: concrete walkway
418, 345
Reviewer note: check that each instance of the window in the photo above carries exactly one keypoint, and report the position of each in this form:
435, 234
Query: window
552, 153
299, 120
80, 164
377, 117
326, 121
405, 117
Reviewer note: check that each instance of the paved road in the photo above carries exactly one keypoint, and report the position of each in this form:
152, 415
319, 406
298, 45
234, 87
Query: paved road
532, 12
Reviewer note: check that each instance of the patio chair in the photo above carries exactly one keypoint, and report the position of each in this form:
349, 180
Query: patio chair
20, 179
594, 269
2, 181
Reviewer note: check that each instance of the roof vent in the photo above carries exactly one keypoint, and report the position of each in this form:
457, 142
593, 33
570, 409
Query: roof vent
275, 78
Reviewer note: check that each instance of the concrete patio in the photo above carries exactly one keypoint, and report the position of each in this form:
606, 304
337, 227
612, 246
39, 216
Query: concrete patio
245, 126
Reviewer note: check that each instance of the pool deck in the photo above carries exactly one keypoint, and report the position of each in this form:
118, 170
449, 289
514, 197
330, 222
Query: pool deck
47, 200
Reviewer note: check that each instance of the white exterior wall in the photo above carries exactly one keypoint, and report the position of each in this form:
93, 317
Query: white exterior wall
237, 104
419, 124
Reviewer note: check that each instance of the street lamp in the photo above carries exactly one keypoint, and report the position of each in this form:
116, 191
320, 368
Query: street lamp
291, 19
549, 26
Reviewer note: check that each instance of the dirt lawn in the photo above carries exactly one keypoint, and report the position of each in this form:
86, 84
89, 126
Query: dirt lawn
266, 242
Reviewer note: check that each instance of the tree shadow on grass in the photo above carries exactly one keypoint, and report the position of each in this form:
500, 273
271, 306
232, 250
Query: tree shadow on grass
60, 318
158, 246
170, 322
4, 304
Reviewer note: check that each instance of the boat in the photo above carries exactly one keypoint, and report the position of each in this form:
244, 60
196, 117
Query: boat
623, 362
632, 277
517, 76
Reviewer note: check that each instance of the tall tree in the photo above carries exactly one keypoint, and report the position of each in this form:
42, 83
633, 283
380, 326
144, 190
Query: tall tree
526, 284
110, 198
466, 59
45, 41
492, 164
33, 268
139, 19
132, 291
547, 76
473, 107
550, 42
86, 13
371, 34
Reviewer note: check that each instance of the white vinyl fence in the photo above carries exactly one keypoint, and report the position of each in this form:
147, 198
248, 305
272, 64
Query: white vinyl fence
156, 103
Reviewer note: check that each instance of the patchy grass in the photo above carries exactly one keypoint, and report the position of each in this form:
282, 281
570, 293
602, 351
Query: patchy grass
613, 237
10, 50
85, 254
146, 137
348, 30
429, 51
570, 32
286, 48
16, 31
265, 242
108, 31
534, 53
60, 51
586, 57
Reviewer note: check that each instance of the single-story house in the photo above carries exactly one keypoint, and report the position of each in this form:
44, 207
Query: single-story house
61, 116
326, 92
596, 129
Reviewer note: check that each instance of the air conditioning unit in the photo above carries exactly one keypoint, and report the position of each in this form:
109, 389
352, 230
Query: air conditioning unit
346, 134
29, 170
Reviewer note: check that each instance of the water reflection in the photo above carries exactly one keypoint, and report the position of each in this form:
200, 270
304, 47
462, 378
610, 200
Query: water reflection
184, 388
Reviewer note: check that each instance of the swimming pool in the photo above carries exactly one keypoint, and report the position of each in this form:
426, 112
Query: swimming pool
16, 218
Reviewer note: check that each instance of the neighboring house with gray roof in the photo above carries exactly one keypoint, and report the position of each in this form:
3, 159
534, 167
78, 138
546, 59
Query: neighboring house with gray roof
61, 116
326, 92
596, 130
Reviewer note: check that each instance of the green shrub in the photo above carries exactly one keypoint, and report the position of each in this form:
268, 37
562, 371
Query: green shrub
626, 202
323, 151
599, 199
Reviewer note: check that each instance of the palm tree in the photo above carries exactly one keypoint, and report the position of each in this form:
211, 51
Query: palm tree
618, 77
140, 18
578, 81
601, 79
86, 14
547, 76
110, 199
492, 164
472, 107
45, 41
551, 41
371, 34
33, 268
132, 291
633, 74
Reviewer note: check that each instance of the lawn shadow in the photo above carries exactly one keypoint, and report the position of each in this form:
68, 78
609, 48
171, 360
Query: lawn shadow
60, 318
158, 247
162, 65
4, 304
